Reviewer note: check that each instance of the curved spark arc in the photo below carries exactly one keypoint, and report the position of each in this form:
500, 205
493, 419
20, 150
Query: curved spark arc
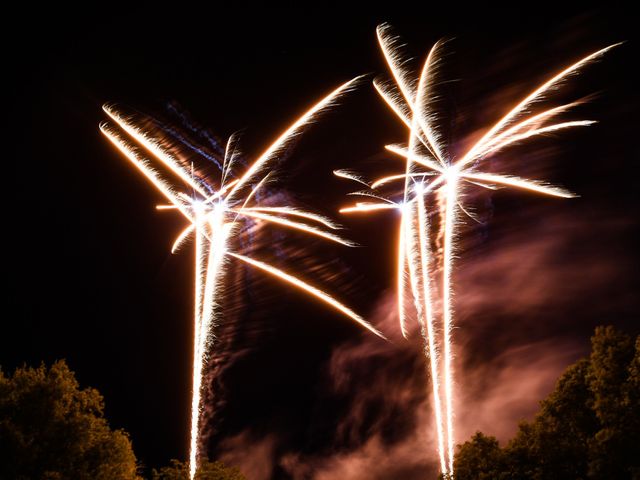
420, 113
351, 176
495, 147
415, 157
308, 288
212, 219
531, 98
182, 237
388, 46
445, 181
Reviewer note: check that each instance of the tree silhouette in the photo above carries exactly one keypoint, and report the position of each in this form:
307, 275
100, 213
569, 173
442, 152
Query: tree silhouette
50, 429
587, 428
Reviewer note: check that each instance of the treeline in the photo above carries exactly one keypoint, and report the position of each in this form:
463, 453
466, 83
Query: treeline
50, 429
587, 428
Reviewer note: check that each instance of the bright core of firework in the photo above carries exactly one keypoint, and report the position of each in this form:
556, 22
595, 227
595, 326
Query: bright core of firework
431, 169
214, 218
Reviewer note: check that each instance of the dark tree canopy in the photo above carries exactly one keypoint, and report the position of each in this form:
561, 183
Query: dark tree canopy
50, 429
587, 428
207, 471
479, 458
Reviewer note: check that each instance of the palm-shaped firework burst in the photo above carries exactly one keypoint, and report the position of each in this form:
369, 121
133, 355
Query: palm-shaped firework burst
215, 214
431, 168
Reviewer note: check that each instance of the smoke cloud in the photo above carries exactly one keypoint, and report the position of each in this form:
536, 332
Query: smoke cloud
519, 299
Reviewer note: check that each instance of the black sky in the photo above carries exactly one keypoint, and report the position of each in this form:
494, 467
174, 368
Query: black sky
87, 255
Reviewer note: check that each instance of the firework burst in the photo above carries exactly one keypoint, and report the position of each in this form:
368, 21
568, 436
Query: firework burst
430, 168
215, 215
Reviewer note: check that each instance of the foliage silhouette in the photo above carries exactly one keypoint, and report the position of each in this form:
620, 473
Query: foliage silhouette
587, 428
50, 429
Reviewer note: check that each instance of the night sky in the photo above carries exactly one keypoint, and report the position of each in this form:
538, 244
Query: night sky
302, 392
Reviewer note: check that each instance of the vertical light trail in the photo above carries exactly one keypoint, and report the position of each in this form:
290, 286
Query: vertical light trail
422, 119
213, 278
410, 255
451, 203
387, 44
427, 321
403, 251
196, 381
401, 264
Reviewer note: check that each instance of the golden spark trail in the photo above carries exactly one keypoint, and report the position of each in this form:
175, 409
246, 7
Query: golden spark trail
289, 133
424, 118
255, 189
327, 222
310, 289
532, 97
531, 133
428, 171
388, 46
350, 176
401, 176
367, 207
393, 102
213, 219
143, 165
521, 183
295, 225
533, 122
414, 157
154, 147
370, 194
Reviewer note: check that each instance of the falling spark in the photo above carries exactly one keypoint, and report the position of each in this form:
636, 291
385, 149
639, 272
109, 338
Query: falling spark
428, 170
214, 218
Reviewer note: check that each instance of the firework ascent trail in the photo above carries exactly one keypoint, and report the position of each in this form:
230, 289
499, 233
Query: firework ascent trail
214, 219
430, 169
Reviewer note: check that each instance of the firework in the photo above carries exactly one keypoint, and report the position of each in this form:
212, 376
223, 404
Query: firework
215, 214
431, 169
